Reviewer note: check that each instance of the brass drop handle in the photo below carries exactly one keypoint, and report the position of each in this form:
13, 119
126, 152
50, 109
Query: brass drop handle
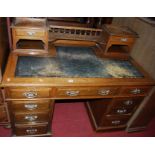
30, 106
104, 92
30, 94
135, 91
128, 102
30, 33
121, 111
31, 117
124, 39
31, 131
72, 93
116, 122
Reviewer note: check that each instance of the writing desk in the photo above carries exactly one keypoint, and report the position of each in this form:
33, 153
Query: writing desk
112, 88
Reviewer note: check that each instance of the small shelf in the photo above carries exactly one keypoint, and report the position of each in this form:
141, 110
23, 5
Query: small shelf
30, 44
118, 49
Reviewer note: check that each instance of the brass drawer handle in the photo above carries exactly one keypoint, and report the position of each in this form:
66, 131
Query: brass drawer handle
72, 93
135, 91
128, 102
104, 92
30, 94
116, 122
121, 111
30, 33
30, 106
31, 131
124, 39
31, 118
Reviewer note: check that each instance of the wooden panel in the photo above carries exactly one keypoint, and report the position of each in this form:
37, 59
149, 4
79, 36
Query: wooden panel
120, 111
121, 40
26, 22
136, 90
29, 32
27, 106
114, 121
28, 93
31, 117
31, 130
86, 91
127, 102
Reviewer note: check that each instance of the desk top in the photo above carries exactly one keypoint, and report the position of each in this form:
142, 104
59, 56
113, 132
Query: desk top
24, 22
75, 62
72, 66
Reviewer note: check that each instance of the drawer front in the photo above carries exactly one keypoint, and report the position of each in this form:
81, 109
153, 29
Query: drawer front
31, 117
114, 121
86, 91
120, 111
31, 130
135, 91
121, 40
28, 93
3, 114
124, 105
29, 33
130, 103
28, 106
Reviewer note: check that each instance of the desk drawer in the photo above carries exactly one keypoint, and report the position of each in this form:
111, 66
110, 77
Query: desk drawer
121, 40
131, 102
120, 111
114, 121
30, 33
28, 93
124, 105
31, 117
86, 91
28, 106
31, 130
135, 91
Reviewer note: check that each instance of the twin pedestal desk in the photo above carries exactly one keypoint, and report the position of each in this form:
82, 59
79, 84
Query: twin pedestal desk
112, 89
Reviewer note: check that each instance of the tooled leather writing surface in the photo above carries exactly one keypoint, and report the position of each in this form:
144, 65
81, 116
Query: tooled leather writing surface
75, 62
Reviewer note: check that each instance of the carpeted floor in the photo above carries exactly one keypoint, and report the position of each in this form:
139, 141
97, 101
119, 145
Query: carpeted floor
71, 120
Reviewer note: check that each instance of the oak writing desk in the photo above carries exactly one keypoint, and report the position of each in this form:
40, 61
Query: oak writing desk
112, 88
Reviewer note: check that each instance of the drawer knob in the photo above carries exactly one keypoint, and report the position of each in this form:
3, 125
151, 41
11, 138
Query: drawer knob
72, 93
31, 131
31, 118
30, 106
30, 33
128, 102
136, 91
124, 39
104, 92
121, 111
116, 122
30, 94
